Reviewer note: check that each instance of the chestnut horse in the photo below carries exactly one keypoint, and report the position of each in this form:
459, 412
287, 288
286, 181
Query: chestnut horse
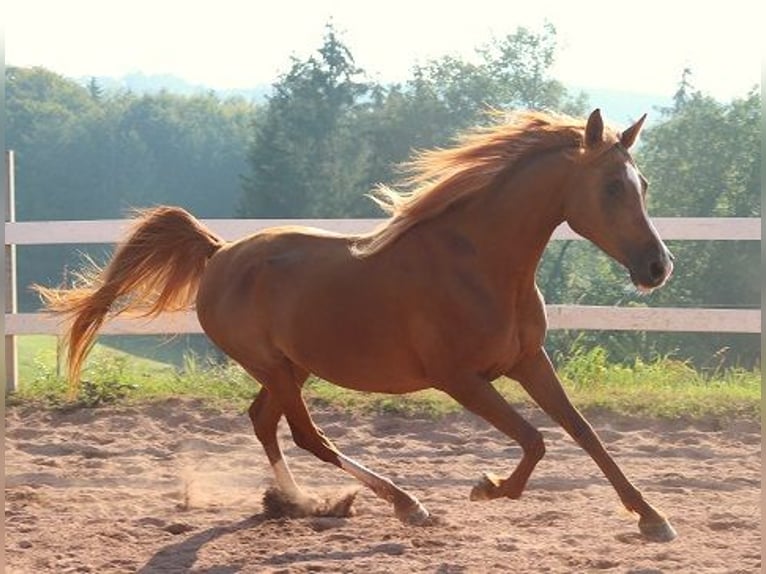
442, 295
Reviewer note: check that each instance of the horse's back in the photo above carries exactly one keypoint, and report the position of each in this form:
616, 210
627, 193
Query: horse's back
251, 271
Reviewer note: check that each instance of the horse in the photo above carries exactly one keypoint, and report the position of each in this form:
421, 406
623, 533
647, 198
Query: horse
441, 295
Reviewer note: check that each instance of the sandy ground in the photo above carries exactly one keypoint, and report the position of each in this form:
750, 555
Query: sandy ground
175, 487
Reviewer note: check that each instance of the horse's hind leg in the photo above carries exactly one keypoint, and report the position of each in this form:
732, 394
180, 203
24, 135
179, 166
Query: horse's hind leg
265, 413
289, 498
309, 437
538, 377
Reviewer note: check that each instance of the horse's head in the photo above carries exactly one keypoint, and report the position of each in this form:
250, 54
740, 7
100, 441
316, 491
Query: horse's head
606, 203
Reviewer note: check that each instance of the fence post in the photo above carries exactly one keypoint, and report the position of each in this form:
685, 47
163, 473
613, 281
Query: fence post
11, 357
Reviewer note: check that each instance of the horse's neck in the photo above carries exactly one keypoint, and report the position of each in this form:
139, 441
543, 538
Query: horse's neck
510, 225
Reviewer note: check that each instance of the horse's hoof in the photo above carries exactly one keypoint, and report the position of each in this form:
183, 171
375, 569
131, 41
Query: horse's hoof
415, 514
657, 529
486, 488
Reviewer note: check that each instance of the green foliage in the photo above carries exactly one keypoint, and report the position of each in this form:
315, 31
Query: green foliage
111, 377
703, 159
106, 381
205, 378
306, 160
43, 384
517, 67
664, 386
80, 156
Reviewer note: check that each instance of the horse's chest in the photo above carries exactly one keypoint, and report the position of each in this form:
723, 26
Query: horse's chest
515, 330
496, 353
485, 340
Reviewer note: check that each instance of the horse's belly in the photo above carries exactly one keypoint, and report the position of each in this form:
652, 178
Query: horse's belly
373, 382
359, 354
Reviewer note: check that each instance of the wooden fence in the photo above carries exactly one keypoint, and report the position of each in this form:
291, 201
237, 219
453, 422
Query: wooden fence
560, 316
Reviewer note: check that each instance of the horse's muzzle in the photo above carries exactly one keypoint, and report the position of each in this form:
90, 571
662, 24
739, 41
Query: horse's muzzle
652, 270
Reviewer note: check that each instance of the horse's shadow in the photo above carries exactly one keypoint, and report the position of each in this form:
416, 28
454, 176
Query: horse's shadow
181, 556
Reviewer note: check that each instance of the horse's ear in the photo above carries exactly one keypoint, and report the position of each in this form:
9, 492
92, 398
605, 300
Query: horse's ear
594, 129
629, 136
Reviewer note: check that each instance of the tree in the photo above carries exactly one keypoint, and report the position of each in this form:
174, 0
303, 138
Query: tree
704, 158
685, 88
96, 92
305, 159
520, 66
46, 118
512, 72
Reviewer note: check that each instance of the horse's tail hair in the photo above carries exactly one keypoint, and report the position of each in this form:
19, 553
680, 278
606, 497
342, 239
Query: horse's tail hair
157, 268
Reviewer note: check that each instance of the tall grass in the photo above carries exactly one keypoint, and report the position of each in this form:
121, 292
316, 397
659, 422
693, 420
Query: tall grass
663, 387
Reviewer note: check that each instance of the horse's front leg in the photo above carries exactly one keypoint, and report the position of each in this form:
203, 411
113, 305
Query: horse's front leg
481, 398
538, 377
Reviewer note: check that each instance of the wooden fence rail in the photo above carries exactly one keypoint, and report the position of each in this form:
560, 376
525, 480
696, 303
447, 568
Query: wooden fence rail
585, 317
112, 230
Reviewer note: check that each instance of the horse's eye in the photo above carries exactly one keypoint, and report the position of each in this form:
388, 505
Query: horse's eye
614, 187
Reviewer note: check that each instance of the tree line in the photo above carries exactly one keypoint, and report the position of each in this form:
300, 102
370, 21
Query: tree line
327, 134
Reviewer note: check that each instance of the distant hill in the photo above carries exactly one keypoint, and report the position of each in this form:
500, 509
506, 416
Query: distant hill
140, 83
621, 107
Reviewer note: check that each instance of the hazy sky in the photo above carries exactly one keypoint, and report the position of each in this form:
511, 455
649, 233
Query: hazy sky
638, 46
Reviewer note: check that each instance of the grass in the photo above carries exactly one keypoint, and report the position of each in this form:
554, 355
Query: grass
664, 387
111, 375
38, 353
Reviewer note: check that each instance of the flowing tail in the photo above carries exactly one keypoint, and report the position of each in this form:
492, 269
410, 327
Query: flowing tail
158, 268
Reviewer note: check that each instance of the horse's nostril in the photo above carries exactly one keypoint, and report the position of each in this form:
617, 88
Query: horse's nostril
656, 270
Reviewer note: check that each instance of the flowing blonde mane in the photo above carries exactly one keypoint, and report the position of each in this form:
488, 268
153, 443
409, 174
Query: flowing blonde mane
439, 178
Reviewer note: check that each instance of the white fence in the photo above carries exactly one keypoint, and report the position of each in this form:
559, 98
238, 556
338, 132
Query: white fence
560, 316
